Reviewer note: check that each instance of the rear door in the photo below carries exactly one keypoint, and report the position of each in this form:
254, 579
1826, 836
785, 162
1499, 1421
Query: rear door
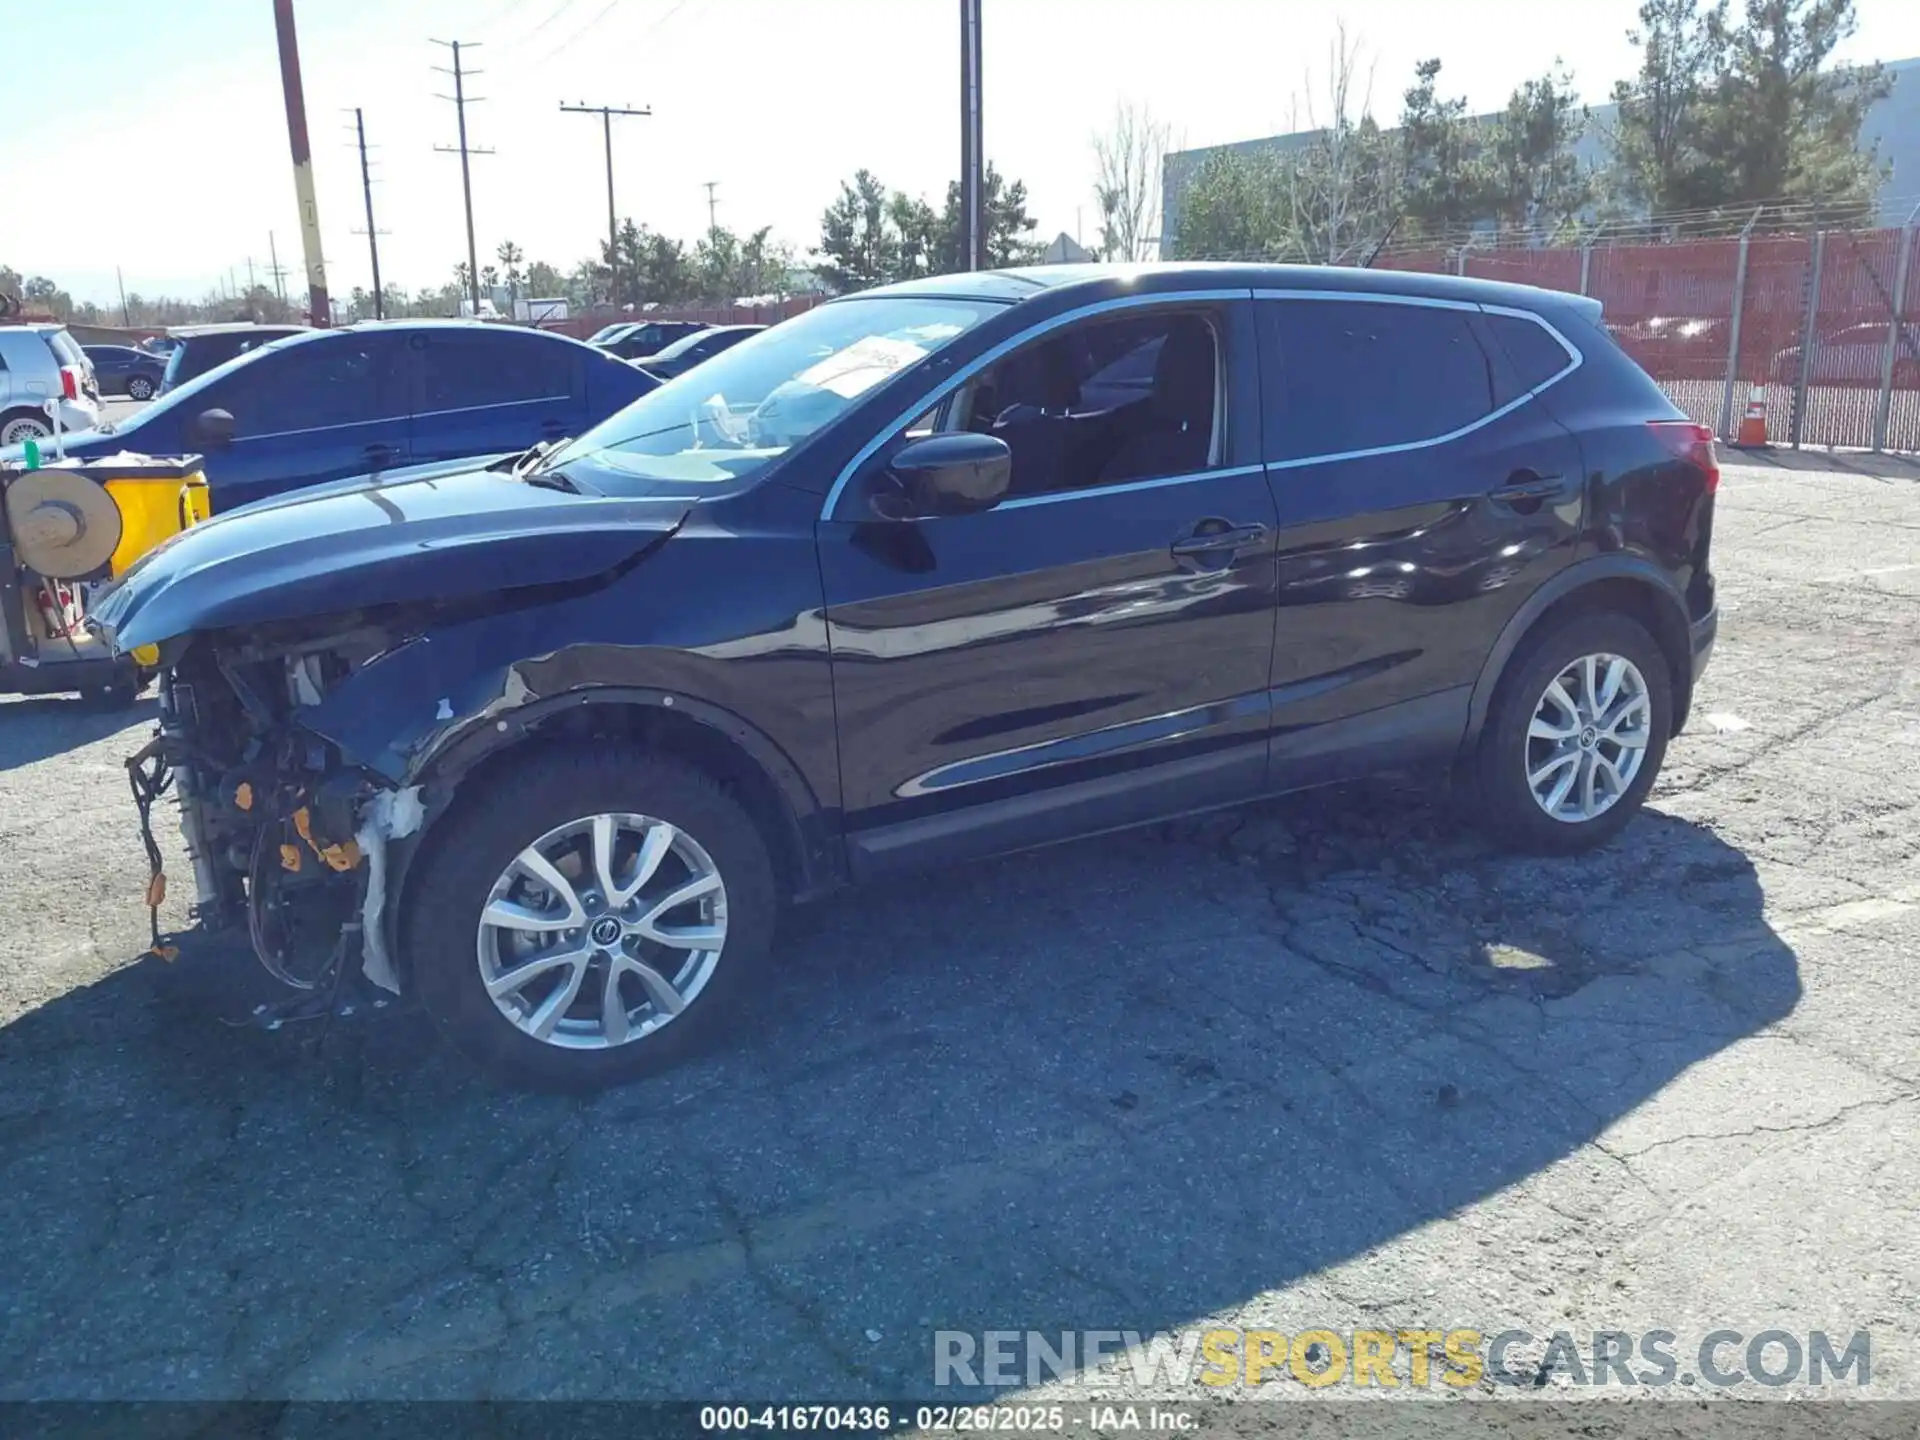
316, 411
1422, 494
480, 391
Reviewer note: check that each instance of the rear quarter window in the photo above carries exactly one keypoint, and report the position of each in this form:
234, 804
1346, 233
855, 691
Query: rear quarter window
1366, 375
1536, 357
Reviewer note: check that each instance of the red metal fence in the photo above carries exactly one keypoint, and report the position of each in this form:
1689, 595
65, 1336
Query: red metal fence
1807, 320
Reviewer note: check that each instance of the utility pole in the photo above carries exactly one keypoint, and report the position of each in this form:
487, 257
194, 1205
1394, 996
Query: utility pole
461, 100
320, 311
276, 269
606, 114
973, 230
373, 235
126, 319
713, 221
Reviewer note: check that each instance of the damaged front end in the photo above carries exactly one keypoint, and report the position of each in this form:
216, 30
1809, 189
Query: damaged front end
285, 835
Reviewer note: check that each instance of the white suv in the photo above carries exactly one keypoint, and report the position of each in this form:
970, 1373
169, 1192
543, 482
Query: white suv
39, 363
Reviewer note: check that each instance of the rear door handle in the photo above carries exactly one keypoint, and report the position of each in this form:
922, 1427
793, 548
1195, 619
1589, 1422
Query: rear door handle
1528, 485
379, 455
1216, 540
552, 429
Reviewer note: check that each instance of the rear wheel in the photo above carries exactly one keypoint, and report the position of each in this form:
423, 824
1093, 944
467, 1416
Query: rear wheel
1578, 729
22, 426
140, 388
593, 916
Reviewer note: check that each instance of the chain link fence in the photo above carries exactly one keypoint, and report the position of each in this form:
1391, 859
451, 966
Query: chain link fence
1824, 325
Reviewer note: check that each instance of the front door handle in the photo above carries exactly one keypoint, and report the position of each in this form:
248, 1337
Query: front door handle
379, 455
1528, 486
1215, 542
552, 429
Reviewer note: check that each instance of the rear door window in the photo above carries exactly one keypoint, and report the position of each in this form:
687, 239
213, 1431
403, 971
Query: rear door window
465, 371
1369, 375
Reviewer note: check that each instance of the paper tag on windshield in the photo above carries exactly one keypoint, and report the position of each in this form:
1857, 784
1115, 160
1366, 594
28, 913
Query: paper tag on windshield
862, 365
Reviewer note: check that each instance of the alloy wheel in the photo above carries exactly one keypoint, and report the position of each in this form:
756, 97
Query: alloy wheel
23, 429
1588, 737
602, 931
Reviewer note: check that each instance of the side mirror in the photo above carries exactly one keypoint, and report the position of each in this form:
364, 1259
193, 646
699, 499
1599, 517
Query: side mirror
959, 474
213, 429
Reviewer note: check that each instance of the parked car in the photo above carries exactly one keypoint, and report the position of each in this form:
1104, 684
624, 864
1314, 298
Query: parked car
199, 348
690, 350
878, 589
322, 405
39, 363
610, 332
124, 370
640, 341
1853, 356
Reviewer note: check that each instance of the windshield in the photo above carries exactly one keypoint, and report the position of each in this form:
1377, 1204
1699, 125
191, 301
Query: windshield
719, 423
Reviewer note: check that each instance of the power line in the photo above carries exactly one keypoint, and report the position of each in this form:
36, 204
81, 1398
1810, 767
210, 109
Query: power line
606, 114
461, 100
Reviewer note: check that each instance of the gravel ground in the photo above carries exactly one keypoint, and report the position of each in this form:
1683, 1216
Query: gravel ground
1327, 1062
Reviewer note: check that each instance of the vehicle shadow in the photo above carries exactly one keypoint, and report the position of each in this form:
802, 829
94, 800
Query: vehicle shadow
1121, 1085
39, 727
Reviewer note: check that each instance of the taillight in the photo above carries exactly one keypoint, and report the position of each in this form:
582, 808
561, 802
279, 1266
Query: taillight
69, 382
1693, 443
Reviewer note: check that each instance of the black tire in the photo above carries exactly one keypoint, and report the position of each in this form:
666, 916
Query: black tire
1504, 803
140, 388
549, 789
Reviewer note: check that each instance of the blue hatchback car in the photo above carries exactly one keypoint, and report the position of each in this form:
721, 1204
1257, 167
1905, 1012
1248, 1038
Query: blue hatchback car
326, 404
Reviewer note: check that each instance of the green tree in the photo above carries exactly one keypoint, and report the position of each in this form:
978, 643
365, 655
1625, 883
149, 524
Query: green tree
545, 282
1442, 176
1234, 209
857, 247
917, 236
1656, 154
1783, 122
511, 257
1535, 182
1009, 227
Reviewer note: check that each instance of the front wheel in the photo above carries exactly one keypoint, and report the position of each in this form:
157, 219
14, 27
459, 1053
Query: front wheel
1578, 729
594, 915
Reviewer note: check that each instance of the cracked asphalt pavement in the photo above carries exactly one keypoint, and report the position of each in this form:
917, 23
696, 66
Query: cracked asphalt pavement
1328, 1061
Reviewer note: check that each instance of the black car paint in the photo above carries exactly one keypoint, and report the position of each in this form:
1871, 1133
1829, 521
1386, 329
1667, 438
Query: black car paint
921, 690
689, 350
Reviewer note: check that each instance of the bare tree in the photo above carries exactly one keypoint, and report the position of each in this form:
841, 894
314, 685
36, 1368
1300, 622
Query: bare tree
1129, 158
1341, 183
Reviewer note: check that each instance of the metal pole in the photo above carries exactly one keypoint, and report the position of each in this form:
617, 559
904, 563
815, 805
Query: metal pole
1884, 410
1733, 330
373, 242
320, 311
1808, 338
126, 318
606, 114
466, 179
279, 275
973, 237
1586, 267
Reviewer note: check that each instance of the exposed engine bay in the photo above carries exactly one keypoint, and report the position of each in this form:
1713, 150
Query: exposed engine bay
283, 835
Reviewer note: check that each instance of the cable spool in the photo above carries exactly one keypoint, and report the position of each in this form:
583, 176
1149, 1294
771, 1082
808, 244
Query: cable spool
64, 526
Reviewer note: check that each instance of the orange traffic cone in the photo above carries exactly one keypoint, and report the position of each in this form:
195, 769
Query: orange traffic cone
1753, 425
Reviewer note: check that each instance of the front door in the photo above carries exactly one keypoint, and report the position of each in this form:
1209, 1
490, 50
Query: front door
321, 410
1092, 652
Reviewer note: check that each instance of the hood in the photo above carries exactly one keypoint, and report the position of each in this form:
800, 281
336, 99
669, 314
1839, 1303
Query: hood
414, 540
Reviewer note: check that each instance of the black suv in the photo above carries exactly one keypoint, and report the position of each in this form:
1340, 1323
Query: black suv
944, 569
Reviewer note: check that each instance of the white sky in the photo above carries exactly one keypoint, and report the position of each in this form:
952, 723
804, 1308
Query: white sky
162, 144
